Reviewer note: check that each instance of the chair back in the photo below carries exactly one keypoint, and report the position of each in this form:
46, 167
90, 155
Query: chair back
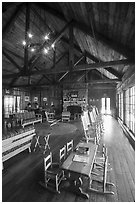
62, 154
69, 146
92, 118
87, 118
85, 126
105, 173
48, 161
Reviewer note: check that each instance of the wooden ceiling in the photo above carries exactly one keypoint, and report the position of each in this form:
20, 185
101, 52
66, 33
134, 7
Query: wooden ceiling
93, 42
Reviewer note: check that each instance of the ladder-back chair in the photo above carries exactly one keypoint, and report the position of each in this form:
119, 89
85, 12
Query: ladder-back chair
89, 135
53, 173
102, 189
69, 146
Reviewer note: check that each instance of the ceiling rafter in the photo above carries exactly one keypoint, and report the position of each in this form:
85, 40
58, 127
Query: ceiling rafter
93, 58
60, 58
87, 30
13, 53
11, 60
35, 58
80, 58
27, 27
78, 68
109, 69
43, 76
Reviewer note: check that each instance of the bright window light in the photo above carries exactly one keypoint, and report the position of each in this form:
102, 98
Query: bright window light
24, 42
30, 35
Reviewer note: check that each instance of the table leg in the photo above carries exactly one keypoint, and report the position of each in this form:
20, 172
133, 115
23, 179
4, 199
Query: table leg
75, 184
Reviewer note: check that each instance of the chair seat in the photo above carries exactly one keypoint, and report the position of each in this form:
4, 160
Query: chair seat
54, 169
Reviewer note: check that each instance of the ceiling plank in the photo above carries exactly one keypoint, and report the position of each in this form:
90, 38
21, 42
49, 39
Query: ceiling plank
13, 53
11, 21
109, 43
11, 60
87, 30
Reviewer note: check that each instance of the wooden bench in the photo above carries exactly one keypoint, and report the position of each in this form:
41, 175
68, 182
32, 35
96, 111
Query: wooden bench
28, 118
16, 141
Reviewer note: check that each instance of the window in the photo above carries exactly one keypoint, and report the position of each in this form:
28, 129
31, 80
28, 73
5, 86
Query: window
120, 105
105, 106
11, 104
8, 104
130, 108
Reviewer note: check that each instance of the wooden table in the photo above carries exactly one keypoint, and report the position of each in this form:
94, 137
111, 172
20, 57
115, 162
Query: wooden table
75, 170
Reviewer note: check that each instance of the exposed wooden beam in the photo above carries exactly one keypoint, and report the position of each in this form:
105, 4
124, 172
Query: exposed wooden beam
35, 58
42, 77
60, 58
71, 48
109, 69
11, 60
98, 81
41, 19
11, 21
74, 66
87, 30
54, 56
13, 53
27, 26
78, 67
13, 80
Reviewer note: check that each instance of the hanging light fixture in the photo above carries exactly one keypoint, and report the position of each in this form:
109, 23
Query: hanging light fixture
46, 50
53, 45
24, 42
32, 49
30, 35
46, 37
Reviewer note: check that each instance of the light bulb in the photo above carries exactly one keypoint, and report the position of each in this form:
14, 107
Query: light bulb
46, 37
32, 49
53, 45
30, 35
45, 50
24, 42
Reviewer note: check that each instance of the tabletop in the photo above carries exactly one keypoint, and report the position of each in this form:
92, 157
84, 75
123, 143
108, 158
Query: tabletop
85, 163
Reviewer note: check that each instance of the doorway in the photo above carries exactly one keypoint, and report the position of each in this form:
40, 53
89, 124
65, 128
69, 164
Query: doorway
105, 106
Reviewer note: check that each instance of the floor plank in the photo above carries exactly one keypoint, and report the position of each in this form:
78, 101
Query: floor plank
28, 168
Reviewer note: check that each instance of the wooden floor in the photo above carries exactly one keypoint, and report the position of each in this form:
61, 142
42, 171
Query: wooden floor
22, 173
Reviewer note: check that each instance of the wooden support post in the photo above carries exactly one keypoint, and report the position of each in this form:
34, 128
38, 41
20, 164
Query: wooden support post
26, 37
71, 48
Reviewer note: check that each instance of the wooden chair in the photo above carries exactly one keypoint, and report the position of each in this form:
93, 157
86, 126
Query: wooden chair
53, 173
69, 146
89, 134
101, 180
62, 154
